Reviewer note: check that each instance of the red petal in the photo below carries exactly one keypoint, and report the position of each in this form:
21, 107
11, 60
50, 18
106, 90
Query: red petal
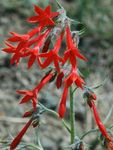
18, 138
58, 42
34, 31
68, 38
21, 45
25, 99
33, 19
54, 14
13, 39
48, 10
79, 82
22, 91
38, 10
78, 54
73, 60
8, 50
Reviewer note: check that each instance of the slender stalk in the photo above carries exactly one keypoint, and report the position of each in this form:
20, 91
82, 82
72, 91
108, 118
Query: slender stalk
58, 3
72, 116
88, 132
38, 139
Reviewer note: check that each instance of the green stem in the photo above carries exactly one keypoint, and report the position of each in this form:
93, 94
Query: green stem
38, 139
72, 116
58, 3
88, 132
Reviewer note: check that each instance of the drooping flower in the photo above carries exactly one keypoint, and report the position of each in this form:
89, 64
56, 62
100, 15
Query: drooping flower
73, 77
17, 55
99, 122
43, 17
72, 51
29, 95
32, 94
18, 138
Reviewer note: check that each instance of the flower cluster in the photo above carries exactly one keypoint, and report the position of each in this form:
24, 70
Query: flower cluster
38, 46
42, 45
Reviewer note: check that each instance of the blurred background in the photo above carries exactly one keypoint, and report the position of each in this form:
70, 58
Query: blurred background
96, 45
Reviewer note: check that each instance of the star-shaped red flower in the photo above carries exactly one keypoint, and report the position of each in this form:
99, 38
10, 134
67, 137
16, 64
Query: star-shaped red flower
43, 17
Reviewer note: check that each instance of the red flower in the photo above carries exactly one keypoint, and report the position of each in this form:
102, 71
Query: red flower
43, 17
32, 94
16, 54
72, 51
18, 138
72, 78
29, 95
99, 122
52, 55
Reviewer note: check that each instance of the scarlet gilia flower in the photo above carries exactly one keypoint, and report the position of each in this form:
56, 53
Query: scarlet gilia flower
72, 51
17, 55
32, 94
44, 17
34, 121
90, 100
101, 125
73, 77
18, 138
